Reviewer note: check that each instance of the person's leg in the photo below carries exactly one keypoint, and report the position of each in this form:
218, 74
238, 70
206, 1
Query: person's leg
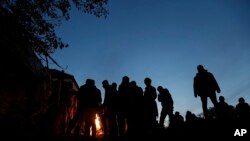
171, 116
204, 106
121, 124
213, 99
162, 117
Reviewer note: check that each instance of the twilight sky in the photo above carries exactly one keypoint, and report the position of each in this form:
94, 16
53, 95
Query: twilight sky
164, 40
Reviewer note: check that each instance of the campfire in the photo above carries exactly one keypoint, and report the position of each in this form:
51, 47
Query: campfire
98, 124
99, 131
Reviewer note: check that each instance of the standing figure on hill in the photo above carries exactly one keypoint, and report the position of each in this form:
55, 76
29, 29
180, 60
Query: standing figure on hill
149, 105
243, 112
122, 104
223, 110
109, 116
167, 105
91, 101
205, 86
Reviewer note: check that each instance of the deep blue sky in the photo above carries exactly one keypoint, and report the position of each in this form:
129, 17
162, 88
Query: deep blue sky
164, 40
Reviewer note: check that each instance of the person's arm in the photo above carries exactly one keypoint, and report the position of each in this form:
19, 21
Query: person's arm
216, 86
195, 87
159, 97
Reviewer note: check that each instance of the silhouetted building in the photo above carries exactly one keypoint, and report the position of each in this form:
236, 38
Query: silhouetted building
24, 88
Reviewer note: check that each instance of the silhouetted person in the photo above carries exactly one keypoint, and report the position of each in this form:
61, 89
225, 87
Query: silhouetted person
106, 105
167, 104
135, 110
109, 117
91, 97
205, 86
78, 119
190, 119
243, 112
114, 132
150, 106
192, 124
123, 94
225, 115
223, 109
178, 120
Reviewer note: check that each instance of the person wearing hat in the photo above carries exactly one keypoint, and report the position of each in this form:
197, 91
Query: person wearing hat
205, 86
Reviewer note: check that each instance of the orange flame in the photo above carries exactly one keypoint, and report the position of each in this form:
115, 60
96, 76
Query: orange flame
99, 131
97, 122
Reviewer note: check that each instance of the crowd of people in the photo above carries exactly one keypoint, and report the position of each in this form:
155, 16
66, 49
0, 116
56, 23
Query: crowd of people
128, 110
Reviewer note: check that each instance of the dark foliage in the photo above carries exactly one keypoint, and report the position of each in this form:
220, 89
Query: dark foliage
33, 21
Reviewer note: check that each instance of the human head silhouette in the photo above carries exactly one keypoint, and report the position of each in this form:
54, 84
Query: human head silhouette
221, 99
114, 85
105, 83
125, 79
133, 83
241, 100
147, 81
200, 68
160, 88
88, 82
